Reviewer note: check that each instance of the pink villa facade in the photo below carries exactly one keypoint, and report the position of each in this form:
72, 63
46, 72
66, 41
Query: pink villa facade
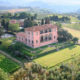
38, 36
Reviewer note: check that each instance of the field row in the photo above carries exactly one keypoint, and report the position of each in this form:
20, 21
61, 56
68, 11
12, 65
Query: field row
55, 58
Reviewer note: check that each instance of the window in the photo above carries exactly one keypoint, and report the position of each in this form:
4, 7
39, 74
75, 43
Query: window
32, 42
29, 41
54, 37
50, 36
41, 32
46, 31
26, 40
49, 30
46, 38
41, 39
36, 41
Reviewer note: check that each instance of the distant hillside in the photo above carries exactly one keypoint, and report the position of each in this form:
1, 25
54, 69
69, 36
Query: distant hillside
25, 9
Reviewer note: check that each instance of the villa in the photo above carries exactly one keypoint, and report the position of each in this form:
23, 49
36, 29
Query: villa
38, 36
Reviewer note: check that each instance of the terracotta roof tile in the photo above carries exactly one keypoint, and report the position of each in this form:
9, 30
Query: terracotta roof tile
42, 27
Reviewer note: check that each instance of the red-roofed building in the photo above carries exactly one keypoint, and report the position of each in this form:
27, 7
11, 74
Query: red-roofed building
20, 22
38, 36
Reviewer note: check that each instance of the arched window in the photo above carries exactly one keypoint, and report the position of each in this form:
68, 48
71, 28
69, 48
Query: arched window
49, 29
41, 39
46, 31
32, 41
46, 38
41, 32
50, 36
54, 37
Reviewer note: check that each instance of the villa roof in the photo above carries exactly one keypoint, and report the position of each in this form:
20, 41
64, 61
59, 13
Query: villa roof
41, 27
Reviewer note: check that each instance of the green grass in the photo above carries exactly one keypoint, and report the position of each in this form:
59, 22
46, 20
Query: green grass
74, 19
74, 32
75, 26
55, 58
8, 65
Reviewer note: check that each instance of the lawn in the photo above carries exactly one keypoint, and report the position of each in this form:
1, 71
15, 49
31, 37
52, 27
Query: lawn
74, 19
8, 65
75, 26
75, 33
55, 58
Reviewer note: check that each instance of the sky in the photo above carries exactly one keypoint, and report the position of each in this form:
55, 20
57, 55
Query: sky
57, 4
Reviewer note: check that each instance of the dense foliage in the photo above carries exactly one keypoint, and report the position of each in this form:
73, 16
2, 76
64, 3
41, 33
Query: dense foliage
22, 15
29, 22
66, 71
1, 31
8, 65
3, 75
13, 27
61, 19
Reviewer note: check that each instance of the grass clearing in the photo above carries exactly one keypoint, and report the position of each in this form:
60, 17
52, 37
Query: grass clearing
58, 57
75, 33
75, 26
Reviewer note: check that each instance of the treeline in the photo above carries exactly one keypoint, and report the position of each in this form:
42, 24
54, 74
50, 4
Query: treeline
7, 27
78, 17
64, 19
22, 15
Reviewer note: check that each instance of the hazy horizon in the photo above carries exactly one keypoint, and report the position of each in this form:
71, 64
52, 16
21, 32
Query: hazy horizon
58, 5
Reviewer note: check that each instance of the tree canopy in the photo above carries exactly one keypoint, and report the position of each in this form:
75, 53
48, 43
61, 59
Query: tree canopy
14, 27
3, 75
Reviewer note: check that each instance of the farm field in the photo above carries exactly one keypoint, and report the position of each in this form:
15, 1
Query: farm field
72, 26
8, 65
55, 58
75, 33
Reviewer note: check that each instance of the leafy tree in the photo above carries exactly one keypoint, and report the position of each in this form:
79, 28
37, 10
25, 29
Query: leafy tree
3, 75
7, 26
42, 21
23, 15
78, 76
75, 40
29, 23
64, 36
51, 77
61, 19
59, 25
47, 20
35, 16
14, 27
3, 23
1, 31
